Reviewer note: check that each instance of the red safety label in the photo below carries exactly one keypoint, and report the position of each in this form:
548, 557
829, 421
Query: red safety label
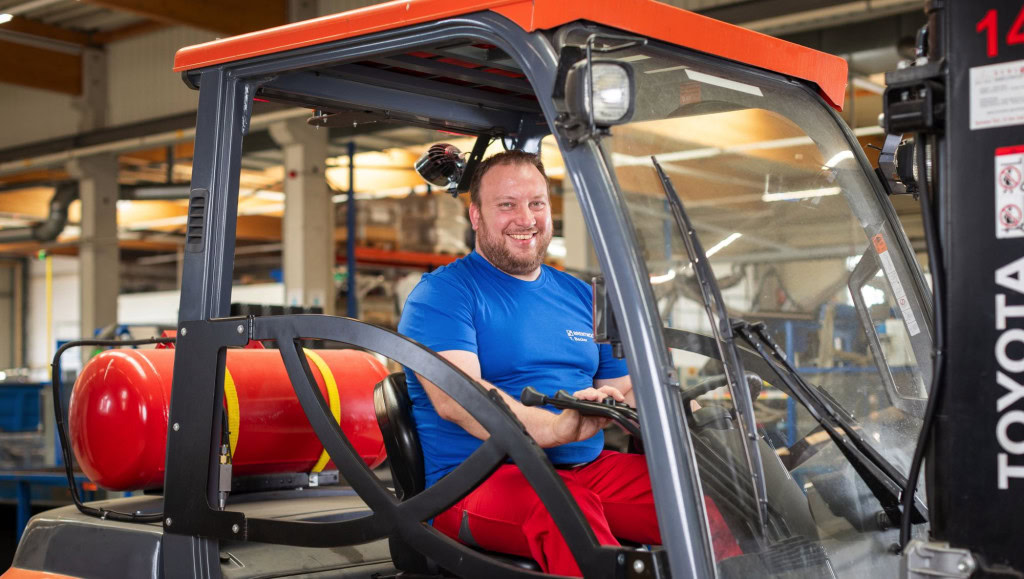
1009, 191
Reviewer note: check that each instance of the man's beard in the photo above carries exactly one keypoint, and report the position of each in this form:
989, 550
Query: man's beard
498, 253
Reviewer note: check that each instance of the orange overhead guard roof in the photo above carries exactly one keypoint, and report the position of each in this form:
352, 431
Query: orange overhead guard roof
643, 17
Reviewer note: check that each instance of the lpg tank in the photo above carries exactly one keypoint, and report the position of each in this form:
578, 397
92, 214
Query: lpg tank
120, 404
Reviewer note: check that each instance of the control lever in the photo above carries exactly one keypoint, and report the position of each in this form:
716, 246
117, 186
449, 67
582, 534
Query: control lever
754, 383
623, 414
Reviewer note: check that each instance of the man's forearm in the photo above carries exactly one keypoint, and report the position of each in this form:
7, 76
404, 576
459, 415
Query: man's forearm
537, 421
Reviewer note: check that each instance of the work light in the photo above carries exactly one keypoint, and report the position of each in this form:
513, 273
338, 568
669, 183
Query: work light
606, 96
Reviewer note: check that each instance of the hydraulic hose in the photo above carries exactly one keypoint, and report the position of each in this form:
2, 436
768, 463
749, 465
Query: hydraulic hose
936, 265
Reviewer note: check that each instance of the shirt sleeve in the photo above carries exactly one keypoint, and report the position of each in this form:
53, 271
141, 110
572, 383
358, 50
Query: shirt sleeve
439, 315
610, 366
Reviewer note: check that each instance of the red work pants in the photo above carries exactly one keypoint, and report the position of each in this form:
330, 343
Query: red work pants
505, 515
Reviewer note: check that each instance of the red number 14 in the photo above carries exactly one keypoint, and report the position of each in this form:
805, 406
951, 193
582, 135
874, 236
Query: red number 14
989, 26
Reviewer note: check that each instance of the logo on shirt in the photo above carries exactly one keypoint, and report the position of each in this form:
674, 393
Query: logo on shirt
579, 336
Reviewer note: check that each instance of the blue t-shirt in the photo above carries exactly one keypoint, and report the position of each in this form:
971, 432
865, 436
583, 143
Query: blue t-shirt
526, 333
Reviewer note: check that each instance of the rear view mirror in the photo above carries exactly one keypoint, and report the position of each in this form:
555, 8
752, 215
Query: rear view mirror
606, 330
441, 165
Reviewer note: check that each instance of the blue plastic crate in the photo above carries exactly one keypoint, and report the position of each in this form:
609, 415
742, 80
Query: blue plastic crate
19, 407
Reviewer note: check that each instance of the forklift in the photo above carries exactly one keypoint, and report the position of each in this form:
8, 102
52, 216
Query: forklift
854, 418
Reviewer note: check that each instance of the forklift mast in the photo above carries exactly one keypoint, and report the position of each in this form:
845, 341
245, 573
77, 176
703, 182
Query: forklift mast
964, 99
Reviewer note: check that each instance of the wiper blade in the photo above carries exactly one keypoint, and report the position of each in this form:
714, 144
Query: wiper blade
881, 477
722, 330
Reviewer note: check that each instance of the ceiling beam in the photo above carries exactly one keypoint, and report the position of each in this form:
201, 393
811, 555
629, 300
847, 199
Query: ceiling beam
33, 202
227, 16
34, 67
130, 31
26, 26
33, 177
258, 227
36, 28
859, 36
183, 150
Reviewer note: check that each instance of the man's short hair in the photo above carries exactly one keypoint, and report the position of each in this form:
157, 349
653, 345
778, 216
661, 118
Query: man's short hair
497, 160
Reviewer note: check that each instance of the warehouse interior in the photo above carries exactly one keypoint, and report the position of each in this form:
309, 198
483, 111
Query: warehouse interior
96, 158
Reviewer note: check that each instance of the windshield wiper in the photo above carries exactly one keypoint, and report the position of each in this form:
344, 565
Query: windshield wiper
722, 330
881, 477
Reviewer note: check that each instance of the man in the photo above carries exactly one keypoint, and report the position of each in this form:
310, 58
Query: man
509, 321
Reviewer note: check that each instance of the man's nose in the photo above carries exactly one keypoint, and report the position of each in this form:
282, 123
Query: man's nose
525, 217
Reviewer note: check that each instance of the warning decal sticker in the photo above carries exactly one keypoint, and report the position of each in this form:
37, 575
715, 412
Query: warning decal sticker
997, 95
1009, 192
897, 288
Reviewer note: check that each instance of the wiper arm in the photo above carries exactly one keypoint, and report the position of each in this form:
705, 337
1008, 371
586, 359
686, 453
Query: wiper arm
881, 477
722, 330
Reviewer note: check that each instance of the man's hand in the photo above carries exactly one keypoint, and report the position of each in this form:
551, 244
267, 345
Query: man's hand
571, 426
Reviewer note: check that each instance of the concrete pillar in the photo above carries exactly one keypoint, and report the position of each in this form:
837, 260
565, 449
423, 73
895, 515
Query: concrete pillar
92, 104
98, 253
308, 231
579, 250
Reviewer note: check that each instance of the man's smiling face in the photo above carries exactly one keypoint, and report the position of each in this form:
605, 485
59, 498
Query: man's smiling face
513, 219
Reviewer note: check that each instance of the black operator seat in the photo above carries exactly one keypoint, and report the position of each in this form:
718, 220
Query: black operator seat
405, 457
394, 416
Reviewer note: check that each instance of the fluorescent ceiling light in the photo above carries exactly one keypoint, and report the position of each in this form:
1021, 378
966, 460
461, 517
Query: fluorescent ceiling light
868, 85
671, 274
723, 82
30, 6
723, 244
837, 158
5, 18
805, 194
624, 160
656, 279
268, 195
669, 69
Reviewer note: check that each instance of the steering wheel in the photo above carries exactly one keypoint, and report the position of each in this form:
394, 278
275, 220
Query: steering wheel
508, 438
714, 415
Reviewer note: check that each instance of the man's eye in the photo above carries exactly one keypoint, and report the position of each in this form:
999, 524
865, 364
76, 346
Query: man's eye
504, 205
538, 204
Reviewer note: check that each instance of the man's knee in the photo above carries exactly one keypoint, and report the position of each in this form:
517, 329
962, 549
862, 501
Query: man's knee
589, 502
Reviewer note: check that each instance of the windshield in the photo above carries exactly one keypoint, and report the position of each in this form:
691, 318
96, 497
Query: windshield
798, 239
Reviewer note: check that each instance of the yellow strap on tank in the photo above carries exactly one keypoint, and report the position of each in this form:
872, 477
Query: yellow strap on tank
234, 419
332, 399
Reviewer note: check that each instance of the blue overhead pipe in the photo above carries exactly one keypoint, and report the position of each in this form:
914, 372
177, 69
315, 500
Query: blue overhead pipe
350, 242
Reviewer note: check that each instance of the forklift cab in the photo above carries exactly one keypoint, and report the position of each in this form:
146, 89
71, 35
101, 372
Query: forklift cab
737, 229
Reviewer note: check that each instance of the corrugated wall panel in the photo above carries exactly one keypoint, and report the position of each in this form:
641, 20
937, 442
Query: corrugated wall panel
335, 6
701, 4
28, 115
142, 84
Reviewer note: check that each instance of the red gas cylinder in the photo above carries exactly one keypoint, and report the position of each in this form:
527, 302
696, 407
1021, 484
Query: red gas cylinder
120, 404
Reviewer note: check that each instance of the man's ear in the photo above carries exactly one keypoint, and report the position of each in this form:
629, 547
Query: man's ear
474, 215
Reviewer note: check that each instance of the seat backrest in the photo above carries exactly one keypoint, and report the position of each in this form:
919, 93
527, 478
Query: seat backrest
394, 416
